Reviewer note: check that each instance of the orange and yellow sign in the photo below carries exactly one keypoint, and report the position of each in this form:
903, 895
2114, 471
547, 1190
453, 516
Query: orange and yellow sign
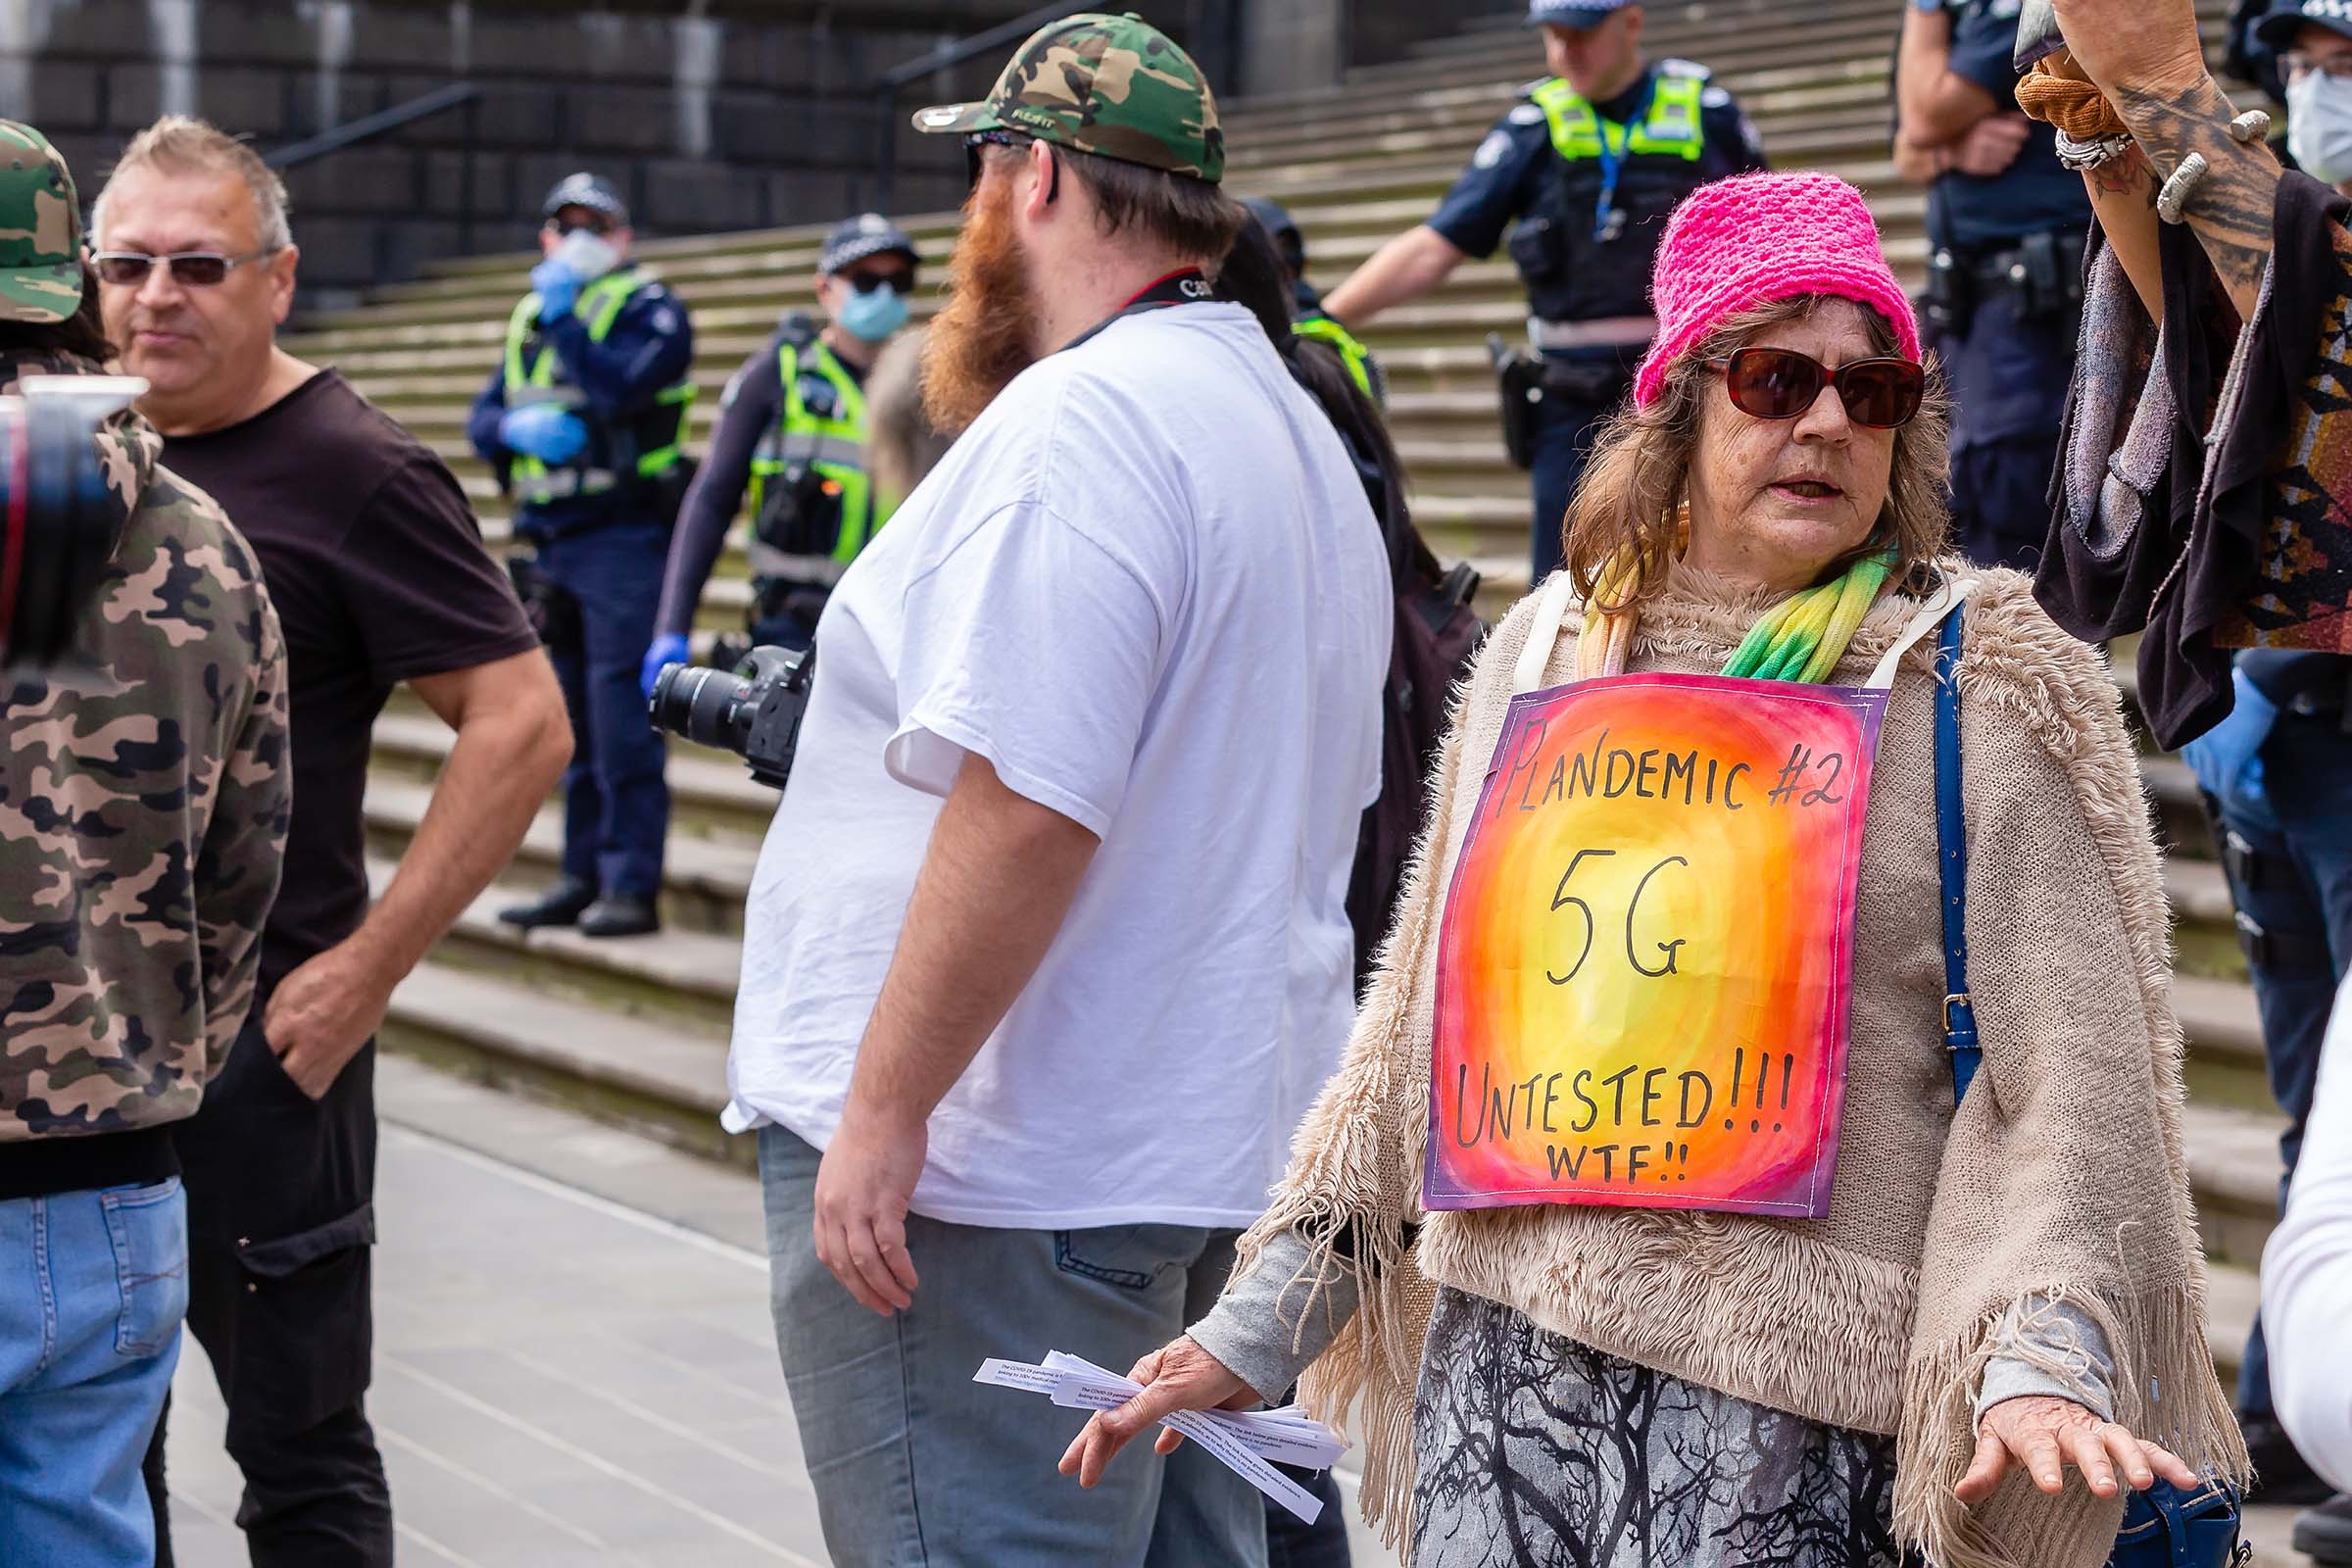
1648, 951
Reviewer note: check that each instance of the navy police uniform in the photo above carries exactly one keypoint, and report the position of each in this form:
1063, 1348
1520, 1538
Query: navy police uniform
1582, 192
600, 527
2003, 307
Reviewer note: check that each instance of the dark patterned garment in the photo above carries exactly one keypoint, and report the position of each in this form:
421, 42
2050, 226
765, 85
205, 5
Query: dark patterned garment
1534, 1451
2302, 593
2245, 543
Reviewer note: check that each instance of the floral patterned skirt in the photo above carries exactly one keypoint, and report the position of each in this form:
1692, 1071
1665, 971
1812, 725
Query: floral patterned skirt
1534, 1451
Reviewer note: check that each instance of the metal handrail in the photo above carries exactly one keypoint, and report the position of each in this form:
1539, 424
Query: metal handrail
892, 82
368, 127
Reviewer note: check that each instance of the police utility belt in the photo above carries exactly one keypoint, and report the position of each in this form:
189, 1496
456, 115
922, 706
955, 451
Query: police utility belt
1529, 380
2043, 271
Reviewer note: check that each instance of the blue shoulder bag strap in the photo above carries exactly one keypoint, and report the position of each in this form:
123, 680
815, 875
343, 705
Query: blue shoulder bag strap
1951, 841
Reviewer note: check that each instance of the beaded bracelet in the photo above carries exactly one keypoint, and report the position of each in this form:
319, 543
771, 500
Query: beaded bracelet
2092, 152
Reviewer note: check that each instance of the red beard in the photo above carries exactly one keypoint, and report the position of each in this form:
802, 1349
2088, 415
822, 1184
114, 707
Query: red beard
979, 341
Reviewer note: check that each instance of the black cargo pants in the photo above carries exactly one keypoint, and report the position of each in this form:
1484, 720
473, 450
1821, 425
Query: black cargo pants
280, 1220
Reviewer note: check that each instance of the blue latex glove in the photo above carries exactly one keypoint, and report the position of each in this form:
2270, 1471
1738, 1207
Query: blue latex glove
557, 288
543, 430
2228, 757
668, 648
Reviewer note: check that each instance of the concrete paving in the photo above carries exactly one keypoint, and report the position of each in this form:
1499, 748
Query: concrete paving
573, 1359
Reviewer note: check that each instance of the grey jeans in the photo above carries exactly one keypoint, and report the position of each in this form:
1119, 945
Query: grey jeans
918, 1467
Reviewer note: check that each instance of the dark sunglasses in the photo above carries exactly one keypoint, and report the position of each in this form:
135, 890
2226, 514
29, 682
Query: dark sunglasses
867, 282
1782, 383
192, 269
977, 143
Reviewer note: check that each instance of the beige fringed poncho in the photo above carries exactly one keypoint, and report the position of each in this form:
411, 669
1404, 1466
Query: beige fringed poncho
2061, 1178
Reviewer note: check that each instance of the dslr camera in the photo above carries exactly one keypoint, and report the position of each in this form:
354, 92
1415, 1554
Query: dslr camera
59, 518
754, 710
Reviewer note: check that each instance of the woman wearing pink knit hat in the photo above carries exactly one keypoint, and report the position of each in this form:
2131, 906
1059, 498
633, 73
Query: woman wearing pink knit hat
1660, 1212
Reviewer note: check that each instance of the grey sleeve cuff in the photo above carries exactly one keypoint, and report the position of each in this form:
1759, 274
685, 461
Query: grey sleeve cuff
1256, 1328
2046, 1347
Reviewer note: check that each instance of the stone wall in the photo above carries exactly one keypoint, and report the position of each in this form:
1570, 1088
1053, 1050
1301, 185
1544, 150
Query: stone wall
712, 115
718, 118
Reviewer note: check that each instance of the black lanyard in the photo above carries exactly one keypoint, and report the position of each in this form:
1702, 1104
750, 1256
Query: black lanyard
1188, 286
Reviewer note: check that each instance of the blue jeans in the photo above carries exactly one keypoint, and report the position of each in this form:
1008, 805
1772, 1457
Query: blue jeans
615, 801
93, 1286
2290, 878
918, 1467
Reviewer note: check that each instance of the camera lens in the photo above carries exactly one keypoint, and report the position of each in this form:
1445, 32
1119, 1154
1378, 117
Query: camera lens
700, 705
59, 519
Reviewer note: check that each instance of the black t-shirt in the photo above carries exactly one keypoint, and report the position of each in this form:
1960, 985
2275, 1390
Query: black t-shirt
377, 564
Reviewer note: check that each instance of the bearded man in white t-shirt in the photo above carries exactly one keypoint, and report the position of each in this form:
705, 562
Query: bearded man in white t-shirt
1048, 953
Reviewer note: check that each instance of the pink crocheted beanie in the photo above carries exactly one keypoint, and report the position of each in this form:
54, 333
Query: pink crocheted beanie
1755, 238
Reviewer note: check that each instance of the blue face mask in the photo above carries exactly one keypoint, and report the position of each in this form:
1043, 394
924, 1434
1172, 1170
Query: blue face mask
874, 315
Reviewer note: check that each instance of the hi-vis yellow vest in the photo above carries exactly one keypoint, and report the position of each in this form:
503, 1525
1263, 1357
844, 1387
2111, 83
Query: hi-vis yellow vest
832, 448
530, 379
1353, 354
1671, 127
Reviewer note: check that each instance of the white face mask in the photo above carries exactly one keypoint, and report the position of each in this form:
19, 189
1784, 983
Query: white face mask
585, 255
2319, 126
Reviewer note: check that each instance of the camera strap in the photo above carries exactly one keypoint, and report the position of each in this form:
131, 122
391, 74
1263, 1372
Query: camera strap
1187, 285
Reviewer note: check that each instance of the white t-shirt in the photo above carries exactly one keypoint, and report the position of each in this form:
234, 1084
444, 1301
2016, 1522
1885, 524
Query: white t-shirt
1146, 585
2306, 1269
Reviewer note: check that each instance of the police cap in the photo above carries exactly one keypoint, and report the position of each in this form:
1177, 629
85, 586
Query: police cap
1282, 228
854, 239
1580, 15
2278, 29
583, 189
1271, 217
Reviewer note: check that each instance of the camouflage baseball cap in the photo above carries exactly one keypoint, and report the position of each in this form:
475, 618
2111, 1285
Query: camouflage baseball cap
1112, 85
40, 229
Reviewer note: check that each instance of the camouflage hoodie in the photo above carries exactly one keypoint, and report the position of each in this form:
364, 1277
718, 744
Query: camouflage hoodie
143, 805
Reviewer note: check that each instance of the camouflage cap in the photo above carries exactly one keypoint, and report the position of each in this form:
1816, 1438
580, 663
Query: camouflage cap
40, 229
1112, 85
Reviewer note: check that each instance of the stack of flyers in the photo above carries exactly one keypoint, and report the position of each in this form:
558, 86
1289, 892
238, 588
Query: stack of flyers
1245, 1440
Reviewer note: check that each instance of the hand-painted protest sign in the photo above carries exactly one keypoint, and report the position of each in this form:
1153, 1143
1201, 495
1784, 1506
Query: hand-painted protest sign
1648, 951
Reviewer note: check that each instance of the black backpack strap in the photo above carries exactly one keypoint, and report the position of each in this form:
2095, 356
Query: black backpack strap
1951, 842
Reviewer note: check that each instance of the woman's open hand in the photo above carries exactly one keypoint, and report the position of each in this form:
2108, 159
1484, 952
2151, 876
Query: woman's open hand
2045, 1432
1178, 1376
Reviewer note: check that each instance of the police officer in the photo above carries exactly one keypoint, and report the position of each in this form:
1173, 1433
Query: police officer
586, 421
1309, 318
1583, 171
2005, 228
792, 428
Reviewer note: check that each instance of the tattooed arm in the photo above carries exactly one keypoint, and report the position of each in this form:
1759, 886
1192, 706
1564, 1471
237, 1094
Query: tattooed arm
2230, 208
2146, 57
2122, 197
